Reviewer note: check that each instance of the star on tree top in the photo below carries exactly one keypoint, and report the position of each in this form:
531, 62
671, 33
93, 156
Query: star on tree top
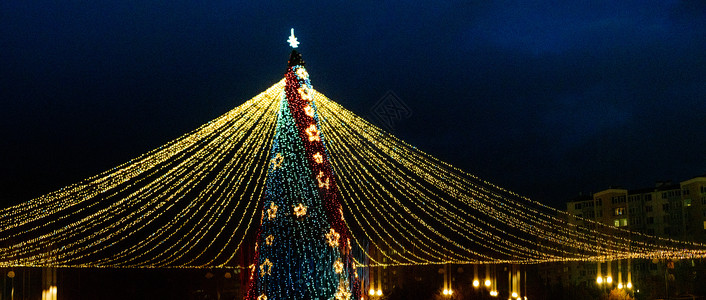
293, 40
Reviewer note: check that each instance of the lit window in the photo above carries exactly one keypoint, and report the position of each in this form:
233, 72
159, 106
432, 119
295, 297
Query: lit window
620, 222
687, 202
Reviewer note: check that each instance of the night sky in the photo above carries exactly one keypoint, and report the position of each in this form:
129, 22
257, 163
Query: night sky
546, 99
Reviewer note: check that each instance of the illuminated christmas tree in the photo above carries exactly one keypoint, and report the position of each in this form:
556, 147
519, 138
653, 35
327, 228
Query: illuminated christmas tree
302, 250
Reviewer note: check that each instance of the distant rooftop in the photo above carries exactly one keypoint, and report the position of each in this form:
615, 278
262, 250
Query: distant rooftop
660, 185
581, 197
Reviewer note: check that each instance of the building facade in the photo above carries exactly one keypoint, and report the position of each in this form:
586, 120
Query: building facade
674, 210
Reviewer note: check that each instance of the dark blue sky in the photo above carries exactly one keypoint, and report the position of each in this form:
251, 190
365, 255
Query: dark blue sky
547, 99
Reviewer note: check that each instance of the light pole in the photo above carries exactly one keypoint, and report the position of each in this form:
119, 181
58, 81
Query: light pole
448, 289
11, 275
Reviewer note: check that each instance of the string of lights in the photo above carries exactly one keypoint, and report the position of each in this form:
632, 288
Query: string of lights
410, 195
543, 218
99, 224
481, 238
184, 220
191, 202
558, 235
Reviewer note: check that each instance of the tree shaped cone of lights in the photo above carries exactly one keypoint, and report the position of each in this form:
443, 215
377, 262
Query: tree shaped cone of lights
303, 249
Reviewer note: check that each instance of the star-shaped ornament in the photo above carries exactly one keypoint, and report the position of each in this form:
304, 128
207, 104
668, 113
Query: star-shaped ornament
304, 93
309, 111
272, 211
323, 180
343, 293
266, 267
277, 161
332, 236
338, 266
302, 73
293, 40
318, 158
300, 210
313, 133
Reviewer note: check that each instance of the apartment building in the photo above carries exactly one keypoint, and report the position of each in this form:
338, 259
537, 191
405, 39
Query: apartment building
668, 209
